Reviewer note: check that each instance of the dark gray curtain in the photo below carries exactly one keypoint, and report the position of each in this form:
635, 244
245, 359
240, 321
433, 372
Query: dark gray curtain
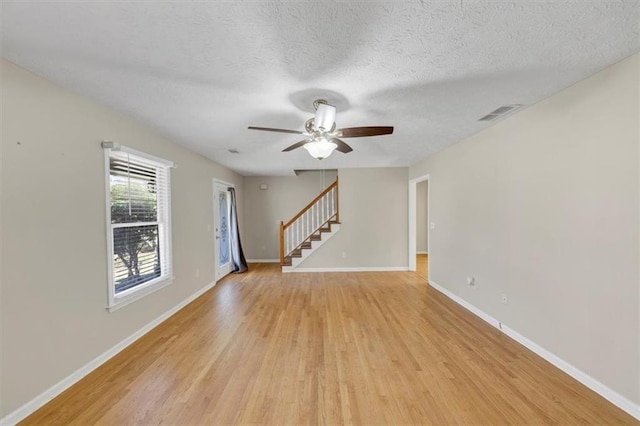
237, 256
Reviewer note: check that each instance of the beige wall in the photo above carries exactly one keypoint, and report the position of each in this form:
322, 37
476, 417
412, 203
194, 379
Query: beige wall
2, 347
422, 218
373, 212
284, 198
638, 254
54, 280
544, 207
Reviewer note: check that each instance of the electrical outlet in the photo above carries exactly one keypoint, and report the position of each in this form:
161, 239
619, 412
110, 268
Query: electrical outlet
197, 273
344, 254
504, 299
471, 281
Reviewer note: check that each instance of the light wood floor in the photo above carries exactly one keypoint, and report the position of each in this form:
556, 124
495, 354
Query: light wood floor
422, 265
326, 348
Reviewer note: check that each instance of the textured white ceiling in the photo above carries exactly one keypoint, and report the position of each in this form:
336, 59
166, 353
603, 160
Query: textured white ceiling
201, 72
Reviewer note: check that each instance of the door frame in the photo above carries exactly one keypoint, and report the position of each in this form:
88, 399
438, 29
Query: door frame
215, 182
413, 185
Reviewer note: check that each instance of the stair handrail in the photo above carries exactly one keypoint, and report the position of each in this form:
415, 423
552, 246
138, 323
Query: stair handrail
331, 215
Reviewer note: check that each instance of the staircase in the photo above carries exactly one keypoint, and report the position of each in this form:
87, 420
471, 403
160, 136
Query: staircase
310, 228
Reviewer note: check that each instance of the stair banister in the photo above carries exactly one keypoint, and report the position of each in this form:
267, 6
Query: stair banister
314, 216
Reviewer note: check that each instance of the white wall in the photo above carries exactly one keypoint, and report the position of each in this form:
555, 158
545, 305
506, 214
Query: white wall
54, 277
373, 213
284, 198
544, 207
422, 217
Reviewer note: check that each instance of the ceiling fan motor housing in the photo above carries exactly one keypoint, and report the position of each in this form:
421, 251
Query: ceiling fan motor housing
311, 128
325, 117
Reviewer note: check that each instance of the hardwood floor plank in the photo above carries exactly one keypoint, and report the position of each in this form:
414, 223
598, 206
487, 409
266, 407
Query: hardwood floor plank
326, 348
422, 265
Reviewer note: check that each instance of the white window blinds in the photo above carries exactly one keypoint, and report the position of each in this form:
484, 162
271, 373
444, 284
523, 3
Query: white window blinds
139, 226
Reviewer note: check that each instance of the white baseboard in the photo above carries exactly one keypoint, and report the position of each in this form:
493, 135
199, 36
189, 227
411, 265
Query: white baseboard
263, 260
609, 394
353, 269
46, 396
468, 306
612, 396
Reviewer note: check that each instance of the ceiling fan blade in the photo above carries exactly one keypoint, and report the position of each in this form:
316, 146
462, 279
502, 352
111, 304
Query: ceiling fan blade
358, 132
270, 129
342, 146
295, 145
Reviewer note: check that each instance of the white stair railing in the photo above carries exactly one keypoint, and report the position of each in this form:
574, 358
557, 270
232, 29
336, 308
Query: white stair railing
309, 220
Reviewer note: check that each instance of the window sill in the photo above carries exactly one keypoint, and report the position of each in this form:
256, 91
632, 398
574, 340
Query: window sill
120, 301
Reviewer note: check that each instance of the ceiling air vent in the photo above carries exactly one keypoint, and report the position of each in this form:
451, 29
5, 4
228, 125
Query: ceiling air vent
503, 110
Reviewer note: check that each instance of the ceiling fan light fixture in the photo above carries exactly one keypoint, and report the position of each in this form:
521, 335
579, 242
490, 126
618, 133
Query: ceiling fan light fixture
325, 117
321, 136
320, 148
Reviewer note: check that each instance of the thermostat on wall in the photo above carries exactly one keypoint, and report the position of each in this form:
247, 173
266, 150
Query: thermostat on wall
264, 186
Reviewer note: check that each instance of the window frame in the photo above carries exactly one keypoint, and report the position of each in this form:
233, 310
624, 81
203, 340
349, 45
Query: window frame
125, 297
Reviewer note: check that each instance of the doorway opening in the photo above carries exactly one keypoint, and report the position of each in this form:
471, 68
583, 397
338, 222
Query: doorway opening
419, 226
422, 229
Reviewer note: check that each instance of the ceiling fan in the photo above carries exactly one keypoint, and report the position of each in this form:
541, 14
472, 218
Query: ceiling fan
322, 138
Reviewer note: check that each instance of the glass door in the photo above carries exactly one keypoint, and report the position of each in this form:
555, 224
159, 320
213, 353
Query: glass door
221, 213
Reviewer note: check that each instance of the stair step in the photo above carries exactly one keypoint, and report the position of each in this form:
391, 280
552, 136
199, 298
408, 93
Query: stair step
295, 257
